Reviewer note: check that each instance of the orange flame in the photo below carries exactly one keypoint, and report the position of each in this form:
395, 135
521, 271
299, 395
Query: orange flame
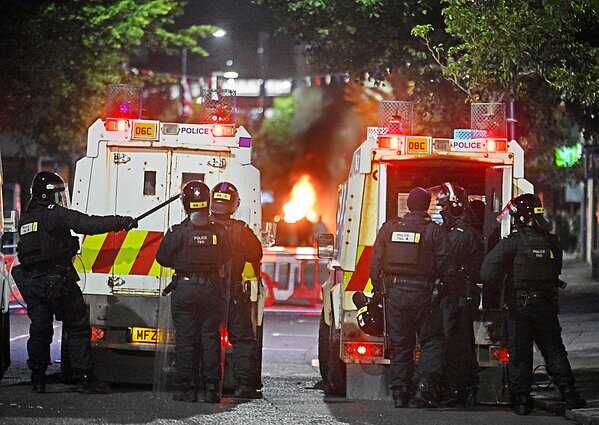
301, 204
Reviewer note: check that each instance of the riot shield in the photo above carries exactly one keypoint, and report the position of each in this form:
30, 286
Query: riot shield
164, 359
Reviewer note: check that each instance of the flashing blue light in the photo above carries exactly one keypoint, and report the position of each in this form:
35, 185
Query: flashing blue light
468, 133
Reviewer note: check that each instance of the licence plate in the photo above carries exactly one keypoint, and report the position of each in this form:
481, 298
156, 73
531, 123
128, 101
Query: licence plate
145, 335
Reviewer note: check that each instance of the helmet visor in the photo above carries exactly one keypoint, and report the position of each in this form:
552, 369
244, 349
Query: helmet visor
61, 197
442, 193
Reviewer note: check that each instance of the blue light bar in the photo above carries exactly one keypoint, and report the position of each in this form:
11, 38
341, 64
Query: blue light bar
468, 133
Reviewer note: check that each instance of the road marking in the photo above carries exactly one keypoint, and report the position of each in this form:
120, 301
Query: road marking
294, 335
27, 335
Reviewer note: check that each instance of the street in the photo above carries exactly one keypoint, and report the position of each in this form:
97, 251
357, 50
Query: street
290, 345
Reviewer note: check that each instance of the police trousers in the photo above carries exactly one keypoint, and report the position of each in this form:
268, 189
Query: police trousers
243, 339
536, 322
460, 355
198, 311
411, 317
69, 307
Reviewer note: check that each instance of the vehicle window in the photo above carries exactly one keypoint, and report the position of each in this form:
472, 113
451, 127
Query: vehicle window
149, 183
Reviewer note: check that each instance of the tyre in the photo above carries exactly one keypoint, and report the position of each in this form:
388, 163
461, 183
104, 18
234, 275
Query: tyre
323, 348
336, 368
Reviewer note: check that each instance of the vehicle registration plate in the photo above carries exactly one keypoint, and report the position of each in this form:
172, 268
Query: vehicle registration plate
145, 335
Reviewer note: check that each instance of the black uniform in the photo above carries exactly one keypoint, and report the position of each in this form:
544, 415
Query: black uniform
409, 253
460, 298
199, 255
48, 281
246, 248
534, 261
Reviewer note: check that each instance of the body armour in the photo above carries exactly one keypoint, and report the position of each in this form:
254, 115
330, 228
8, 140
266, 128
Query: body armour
535, 263
42, 239
201, 248
406, 254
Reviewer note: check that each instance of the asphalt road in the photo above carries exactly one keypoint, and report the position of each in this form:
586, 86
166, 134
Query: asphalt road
290, 345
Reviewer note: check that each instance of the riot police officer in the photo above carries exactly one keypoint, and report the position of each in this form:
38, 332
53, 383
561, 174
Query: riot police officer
532, 258
48, 281
199, 251
460, 295
246, 248
409, 253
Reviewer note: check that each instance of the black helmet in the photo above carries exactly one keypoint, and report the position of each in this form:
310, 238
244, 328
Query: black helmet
48, 187
451, 197
195, 197
370, 314
418, 199
224, 199
525, 209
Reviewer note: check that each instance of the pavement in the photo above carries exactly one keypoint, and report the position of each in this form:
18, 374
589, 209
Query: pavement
579, 315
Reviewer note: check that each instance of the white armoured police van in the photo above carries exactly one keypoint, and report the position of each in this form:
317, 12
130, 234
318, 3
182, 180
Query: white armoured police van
131, 166
385, 167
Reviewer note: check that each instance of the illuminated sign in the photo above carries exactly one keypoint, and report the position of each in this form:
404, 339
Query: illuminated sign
145, 130
418, 144
472, 145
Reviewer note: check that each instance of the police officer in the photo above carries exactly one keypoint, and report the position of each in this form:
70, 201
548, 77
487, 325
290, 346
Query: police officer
48, 281
460, 295
246, 248
409, 253
199, 251
532, 258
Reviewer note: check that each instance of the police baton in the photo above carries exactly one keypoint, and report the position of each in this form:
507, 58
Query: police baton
157, 207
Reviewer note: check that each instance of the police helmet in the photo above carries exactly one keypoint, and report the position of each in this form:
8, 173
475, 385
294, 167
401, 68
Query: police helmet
49, 188
526, 209
451, 197
195, 197
370, 314
224, 199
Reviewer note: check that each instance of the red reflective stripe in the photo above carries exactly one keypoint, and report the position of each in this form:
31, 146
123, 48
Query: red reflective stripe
110, 249
147, 254
360, 277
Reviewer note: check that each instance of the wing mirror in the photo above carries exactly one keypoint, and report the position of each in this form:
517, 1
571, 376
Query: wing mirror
326, 246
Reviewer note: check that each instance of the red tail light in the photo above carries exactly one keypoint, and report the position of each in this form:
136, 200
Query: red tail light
360, 350
97, 334
500, 354
496, 145
389, 142
223, 130
224, 338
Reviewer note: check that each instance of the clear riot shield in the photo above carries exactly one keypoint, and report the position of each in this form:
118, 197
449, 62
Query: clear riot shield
164, 360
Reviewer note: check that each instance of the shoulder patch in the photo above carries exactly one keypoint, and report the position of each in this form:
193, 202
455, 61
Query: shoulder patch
28, 228
409, 237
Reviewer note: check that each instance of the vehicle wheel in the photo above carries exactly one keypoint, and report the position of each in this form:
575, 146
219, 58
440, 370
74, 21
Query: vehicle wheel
65, 361
336, 368
323, 348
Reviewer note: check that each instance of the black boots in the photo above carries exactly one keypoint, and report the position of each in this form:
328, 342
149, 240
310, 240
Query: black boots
89, 384
425, 396
211, 394
401, 397
521, 404
247, 392
38, 382
572, 398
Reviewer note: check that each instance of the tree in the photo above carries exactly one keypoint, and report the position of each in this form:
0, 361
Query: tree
59, 56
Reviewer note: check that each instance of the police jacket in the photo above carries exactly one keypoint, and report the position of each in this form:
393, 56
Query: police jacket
532, 258
465, 253
246, 247
193, 249
45, 235
411, 248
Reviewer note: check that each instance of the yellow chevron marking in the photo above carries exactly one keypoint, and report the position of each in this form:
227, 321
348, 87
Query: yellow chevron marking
155, 270
89, 252
128, 253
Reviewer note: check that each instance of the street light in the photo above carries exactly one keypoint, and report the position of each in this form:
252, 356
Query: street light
219, 33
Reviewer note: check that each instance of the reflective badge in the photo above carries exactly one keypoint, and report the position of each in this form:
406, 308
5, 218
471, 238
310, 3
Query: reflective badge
221, 195
214, 240
200, 239
28, 228
539, 210
539, 253
202, 204
409, 237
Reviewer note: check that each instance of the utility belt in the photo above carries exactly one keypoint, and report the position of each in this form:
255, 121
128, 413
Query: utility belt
407, 283
525, 297
197, 278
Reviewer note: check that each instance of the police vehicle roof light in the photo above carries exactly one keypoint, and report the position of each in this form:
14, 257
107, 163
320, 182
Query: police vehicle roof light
116, 124
496, 145
223, 130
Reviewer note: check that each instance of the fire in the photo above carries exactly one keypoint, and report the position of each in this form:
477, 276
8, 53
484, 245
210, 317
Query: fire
301, 204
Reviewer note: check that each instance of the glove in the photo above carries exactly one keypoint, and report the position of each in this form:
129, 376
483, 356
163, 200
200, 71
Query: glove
127, 223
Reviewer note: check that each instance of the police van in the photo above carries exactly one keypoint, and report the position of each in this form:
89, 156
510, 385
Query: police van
131, 166
385, 167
